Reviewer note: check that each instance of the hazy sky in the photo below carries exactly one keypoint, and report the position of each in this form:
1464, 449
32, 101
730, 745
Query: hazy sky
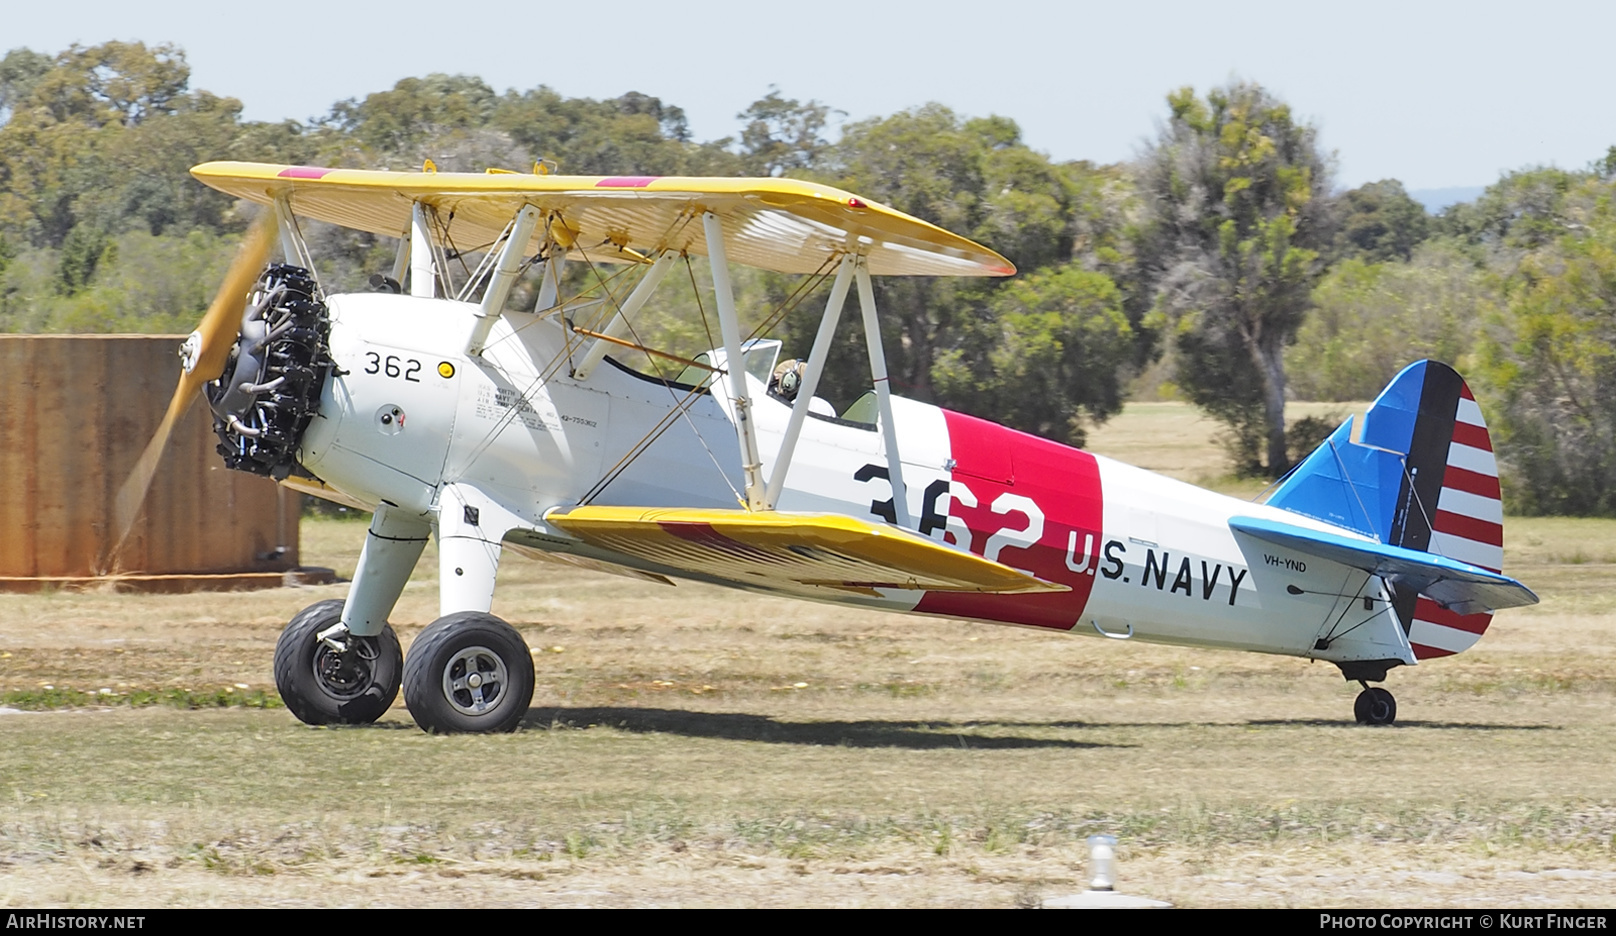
1434, 94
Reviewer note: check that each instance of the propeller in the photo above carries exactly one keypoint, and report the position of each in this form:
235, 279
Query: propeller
203, 358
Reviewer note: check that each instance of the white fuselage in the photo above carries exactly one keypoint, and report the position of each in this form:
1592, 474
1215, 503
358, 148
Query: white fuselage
409, 413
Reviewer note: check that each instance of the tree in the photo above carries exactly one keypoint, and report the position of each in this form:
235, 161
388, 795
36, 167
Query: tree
1380, 222
1043, 358
82, 253
1370, 320
1605, 166
1236, 216
973, 176
105, 136
781, 135
398, 120
632, 134
19, 71
1550, 359
1523, 211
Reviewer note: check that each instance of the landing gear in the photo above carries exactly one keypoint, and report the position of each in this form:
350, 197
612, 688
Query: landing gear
340, 679
468, 672
1375, 706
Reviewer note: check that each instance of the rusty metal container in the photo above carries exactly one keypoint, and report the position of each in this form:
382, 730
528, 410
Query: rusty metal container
75, 413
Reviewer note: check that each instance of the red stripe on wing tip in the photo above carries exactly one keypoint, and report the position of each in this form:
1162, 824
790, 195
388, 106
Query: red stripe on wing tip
1464, 390
1472, 435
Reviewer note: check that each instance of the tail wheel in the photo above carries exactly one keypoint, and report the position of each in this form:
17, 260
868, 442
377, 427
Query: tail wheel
351, 683
468, 672
1375, 706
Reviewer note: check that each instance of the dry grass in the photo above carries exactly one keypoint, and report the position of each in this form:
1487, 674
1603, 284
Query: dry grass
694, 746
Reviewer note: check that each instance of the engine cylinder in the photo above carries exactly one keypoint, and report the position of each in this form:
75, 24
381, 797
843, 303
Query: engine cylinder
270, 388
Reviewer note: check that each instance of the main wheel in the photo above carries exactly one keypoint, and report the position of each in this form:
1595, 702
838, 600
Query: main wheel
324, 686
1375, 706
468, 672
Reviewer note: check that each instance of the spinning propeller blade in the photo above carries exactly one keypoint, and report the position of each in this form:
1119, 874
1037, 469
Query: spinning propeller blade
204, 355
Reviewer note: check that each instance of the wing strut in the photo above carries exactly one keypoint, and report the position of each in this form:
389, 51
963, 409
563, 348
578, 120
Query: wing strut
401, 259
555, 259
810, 379
729, 324
423, 258
292, 245
642, 291
499, 288
883, 392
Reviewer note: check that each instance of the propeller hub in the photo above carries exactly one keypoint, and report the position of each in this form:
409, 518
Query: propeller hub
191, 351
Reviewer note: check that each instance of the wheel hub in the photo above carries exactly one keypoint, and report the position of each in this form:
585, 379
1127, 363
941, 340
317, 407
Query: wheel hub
474, 680
346, 675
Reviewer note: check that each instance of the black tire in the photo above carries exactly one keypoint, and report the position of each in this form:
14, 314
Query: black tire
323, 687
468, 672
1375, 706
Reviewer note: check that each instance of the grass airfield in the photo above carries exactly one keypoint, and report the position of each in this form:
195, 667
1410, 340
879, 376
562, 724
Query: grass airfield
700, 747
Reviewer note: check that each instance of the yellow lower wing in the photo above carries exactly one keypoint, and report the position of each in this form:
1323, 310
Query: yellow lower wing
791, 551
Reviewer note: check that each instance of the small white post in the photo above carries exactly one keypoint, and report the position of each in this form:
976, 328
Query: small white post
499, 287
1102, 862
810, 379
636, 300
729, 324
883, 392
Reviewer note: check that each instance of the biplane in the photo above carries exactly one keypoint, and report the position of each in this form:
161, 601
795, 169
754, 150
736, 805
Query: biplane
553, 430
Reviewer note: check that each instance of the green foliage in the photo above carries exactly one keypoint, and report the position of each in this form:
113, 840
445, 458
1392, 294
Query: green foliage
104, 136
116, 83
1552, 357
632, 134
1308, 433
52, 698
1380, 222
86, 244
781, 135
1237, 214
141, 283
975, 177
1522, 211
400, 119
1044, 355
1605, 166
462, 125
1370, 320
20, 70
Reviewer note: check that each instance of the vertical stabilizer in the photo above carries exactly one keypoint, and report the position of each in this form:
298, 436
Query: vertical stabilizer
1422, 477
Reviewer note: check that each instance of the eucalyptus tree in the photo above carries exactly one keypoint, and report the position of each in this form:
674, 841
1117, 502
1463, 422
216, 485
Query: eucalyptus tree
1236, 218
1380, 222
1550, 357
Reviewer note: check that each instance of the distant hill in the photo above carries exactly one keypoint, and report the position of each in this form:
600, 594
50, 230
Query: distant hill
1436, 199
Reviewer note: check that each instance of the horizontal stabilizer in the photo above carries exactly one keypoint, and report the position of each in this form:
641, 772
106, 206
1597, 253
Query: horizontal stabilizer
1457, 586
791, 551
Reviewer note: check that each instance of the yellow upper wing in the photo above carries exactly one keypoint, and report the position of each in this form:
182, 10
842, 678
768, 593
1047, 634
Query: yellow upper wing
784, 225
791, 551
